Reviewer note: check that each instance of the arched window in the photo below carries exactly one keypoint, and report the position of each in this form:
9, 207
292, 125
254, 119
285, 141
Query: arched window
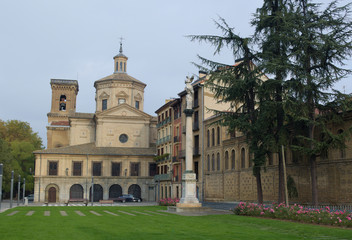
243, 158
97, 193
218, 162
117, 66
120, 66
115, 191
233, 158
342, 150
208, 138
250, 161
212, 136
135, 190
62, 104
213, 162
76, 191
226, 160
208, 162
218, 135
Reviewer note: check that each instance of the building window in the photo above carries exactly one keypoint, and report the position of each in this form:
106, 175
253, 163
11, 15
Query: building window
120, 66
342, 150
212, 136
218, 136
96, 168
213, 162
115, 169
208, 138
243, 158
195, 95
123, 138
218, 162
233, 159
53, 168
196, 145
135, 169
77, 169
226, 160
117, 66
137, 104
104, 104
62, 104
121, 100
195, 121
208, 162
152, 169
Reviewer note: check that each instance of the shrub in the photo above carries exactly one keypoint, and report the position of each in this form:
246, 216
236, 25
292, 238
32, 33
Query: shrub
296, 213
168, 201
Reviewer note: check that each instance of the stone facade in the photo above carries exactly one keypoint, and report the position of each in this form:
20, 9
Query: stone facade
113, 147
230, 177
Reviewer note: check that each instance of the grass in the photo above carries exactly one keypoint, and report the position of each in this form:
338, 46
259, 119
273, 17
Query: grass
73, 226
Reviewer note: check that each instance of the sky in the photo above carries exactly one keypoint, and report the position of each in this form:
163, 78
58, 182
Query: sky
77, 39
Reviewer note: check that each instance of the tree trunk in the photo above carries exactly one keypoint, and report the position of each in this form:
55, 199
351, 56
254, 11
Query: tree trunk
281, 198
259, 187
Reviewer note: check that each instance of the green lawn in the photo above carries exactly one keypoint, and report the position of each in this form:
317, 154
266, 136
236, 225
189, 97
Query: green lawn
170, 226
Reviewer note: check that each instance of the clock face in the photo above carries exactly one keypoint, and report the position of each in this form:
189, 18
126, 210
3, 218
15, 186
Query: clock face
123, 138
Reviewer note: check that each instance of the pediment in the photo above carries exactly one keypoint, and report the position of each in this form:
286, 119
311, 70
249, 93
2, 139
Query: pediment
104, 95
121, 94
138, 97
125, 111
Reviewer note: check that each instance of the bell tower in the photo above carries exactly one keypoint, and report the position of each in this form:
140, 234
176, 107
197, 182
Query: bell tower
63, 103
120, 61
63, 96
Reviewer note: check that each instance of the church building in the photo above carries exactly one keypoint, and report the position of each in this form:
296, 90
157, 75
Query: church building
114, 147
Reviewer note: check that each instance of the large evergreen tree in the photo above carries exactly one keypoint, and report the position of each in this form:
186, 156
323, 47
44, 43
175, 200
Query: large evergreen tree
320, 43
240, 85
273, 24
302, 49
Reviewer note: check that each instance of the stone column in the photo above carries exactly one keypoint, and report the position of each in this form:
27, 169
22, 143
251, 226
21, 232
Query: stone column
189, 197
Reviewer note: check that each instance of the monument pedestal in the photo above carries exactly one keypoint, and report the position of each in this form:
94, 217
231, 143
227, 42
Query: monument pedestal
189, 189
189, 201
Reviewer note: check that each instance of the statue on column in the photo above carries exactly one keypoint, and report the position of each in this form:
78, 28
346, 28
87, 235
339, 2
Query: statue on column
190, 92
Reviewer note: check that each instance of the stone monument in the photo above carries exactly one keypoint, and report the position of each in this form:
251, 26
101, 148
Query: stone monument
189, 198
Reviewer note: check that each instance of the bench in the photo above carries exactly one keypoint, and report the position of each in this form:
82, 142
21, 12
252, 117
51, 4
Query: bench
109, 201
77, 200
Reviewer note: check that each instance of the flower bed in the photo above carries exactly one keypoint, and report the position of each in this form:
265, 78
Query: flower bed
168, 201
296, 213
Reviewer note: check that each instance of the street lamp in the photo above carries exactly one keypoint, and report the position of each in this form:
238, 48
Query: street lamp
92, 190
18, 192
24, 189
11, 192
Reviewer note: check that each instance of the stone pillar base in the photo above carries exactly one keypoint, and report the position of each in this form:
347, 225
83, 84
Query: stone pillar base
189, 198
188, 205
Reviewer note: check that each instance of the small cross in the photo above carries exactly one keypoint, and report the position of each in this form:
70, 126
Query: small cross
121, 38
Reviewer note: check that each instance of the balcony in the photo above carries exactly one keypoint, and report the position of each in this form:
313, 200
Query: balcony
163, 177
164, 122
161, 158
175, 159
163, 140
